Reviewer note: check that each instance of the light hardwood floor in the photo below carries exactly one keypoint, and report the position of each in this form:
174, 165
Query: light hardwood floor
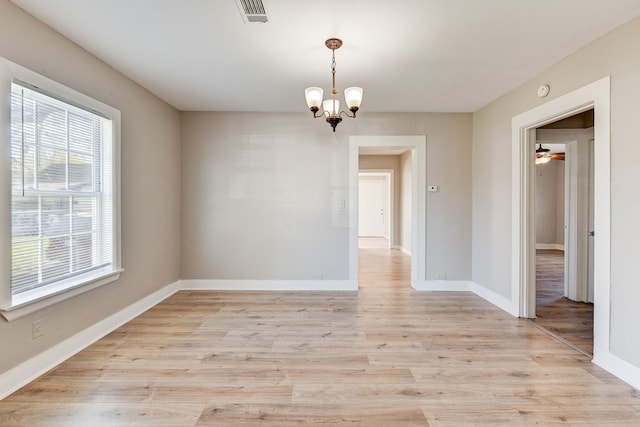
569, 320
385, 355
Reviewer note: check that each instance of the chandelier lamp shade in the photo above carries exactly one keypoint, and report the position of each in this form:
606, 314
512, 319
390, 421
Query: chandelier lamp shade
331, 106
542, 155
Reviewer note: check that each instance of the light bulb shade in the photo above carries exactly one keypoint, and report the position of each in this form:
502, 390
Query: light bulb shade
353, 96
313, 96
541, 160
331, 107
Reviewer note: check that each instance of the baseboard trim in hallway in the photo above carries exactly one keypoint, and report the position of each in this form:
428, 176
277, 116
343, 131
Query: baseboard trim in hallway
443, 285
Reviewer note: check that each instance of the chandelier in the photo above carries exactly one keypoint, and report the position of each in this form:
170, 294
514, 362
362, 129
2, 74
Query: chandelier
331, 107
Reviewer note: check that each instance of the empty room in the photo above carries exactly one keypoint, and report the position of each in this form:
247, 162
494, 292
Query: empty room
277, 212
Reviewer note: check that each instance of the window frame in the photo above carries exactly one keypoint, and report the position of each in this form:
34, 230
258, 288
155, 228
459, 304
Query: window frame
15, 306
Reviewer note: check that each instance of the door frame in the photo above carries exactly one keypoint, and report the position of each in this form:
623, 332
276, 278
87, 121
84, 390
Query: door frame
418, 146
597, 96
389, 199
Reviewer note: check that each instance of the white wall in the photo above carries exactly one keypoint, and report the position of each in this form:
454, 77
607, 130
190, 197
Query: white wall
615, 54
261, 193
150, 184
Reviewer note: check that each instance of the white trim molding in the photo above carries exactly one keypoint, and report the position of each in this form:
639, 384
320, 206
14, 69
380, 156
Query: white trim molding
495, 299
443, 285
618, 367
21, 310
270, 285
418, 146
31, 369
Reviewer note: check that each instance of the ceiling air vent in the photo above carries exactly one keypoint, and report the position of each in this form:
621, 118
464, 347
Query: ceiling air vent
252, 11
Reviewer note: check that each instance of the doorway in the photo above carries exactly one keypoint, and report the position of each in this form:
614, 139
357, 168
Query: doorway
380, 265
594, 96
376, 207
563, 230
413, 149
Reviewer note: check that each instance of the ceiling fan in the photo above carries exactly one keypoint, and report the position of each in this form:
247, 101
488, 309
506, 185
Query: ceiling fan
543, 155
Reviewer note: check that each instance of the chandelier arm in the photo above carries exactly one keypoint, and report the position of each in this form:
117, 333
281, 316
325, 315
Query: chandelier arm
353, 113
315, 111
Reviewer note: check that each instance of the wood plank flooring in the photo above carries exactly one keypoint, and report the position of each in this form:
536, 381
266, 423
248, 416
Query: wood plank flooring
382, 356
570, 320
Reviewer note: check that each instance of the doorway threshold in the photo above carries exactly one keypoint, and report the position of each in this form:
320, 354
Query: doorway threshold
559, 338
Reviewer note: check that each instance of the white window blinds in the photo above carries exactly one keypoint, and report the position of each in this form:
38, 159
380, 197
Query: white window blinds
61, 191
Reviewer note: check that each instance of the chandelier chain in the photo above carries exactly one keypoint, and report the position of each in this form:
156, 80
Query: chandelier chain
333, 73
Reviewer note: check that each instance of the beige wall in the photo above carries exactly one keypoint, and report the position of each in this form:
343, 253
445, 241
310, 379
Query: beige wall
150, 184
406, 200
261, 193
550, 202
615, 54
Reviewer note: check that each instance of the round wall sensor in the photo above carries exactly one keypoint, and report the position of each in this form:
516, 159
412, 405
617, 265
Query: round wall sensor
543, 91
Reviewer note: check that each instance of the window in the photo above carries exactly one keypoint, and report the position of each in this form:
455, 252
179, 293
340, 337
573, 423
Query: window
63, 193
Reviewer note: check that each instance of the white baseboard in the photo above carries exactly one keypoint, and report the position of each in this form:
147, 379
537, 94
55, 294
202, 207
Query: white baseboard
443, 285
556, 246
618, 367
495, 299
270, 285
31, 369
468, 286
405, 250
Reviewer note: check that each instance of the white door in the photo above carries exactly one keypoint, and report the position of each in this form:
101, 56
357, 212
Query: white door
371, 218
577, 219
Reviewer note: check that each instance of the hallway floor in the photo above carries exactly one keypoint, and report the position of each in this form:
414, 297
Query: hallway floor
570, 320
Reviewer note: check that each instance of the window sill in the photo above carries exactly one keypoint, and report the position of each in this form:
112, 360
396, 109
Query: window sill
32, 302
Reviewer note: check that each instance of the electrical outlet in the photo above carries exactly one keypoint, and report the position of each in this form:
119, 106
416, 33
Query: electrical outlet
36, 330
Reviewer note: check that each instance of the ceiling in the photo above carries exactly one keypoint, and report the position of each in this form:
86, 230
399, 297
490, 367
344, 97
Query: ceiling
408, 55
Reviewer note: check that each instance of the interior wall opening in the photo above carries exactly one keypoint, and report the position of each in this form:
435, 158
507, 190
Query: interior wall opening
383, 180
411, 181
564, 229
